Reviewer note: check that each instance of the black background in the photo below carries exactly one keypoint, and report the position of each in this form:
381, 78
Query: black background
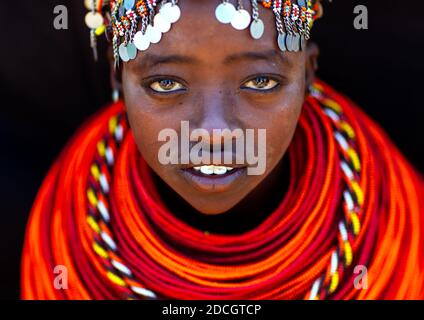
49, 84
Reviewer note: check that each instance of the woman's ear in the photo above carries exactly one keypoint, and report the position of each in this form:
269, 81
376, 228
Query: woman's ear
312, 54
115, 74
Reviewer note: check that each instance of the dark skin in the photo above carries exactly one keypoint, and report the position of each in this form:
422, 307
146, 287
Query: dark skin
217, 77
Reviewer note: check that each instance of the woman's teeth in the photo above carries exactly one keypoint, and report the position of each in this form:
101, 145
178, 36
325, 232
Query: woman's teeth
209, 170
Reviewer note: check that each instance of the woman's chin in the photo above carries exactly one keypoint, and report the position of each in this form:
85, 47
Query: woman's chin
212, 209
214, 194
212, 203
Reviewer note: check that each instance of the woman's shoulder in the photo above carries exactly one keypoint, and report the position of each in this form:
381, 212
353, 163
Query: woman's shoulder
60, 208
81, 149
373, 142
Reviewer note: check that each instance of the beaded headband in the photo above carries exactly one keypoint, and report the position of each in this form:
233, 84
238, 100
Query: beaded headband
136, 24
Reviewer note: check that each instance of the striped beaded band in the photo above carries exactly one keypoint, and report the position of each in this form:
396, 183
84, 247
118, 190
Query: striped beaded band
106, 248
98, 218
353, 199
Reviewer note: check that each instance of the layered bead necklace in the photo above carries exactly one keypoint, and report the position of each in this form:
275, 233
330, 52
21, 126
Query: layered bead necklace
352, 201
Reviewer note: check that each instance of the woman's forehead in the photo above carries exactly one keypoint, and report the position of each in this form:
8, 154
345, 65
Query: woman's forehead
198, 34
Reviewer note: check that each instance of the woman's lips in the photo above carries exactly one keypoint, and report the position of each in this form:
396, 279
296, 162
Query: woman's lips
213, 178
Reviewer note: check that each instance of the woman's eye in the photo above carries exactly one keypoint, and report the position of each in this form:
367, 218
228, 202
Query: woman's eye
166, 85
261, 84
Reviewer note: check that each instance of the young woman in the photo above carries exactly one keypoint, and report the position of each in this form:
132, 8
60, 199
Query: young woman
336, 213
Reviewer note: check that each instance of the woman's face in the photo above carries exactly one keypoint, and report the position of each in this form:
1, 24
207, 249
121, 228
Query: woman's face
214, 77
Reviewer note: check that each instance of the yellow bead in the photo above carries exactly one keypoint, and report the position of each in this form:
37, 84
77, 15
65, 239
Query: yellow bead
348, 253
346, 127
115, 279
100, 251
358, 192
95, 172
355, 223
93, 224
334, 282
92, 197
333, 105
101, 148
113, 123
100, 30
355, 159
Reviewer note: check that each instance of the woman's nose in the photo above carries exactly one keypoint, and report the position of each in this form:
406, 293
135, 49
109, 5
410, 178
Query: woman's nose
217, 117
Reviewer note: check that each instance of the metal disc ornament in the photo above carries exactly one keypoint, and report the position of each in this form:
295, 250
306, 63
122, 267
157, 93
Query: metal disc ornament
123, 53
302, 42
282, 41
171, 12
225, 12
129, 4
241, 19
141, 41
89, 4
153, 34
289, 42
93, 20
131, 51
257, 29
121, 11
296, 43
161, 23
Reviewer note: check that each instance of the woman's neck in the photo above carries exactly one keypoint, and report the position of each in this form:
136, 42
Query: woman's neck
245, 216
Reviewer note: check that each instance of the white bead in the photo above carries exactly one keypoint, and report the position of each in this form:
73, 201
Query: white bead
121, 267
144, 292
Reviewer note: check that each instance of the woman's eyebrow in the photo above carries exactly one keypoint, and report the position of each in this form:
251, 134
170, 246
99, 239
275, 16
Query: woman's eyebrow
152, 60
255, 56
